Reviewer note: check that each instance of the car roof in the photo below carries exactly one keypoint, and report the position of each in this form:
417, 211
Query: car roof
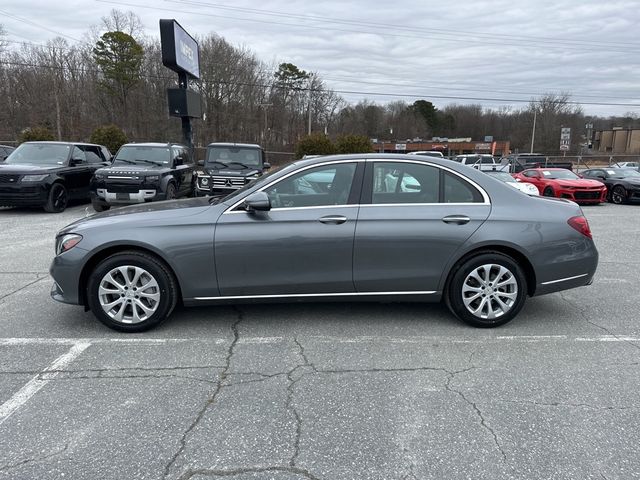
554, 169
154, 144
52, 142
230, 144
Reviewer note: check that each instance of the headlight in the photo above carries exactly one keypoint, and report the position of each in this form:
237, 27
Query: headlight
253, 177
34, 178
152, 178
66, 242
204, 181
98, 176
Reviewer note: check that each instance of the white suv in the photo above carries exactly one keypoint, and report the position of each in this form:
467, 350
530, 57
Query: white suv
482, 162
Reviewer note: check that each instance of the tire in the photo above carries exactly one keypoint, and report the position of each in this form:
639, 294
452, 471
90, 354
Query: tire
619, 195
112, 297
548, 192
57, 199
469, 290
100, 207
171, 191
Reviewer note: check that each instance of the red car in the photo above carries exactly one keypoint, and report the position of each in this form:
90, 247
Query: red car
563, 183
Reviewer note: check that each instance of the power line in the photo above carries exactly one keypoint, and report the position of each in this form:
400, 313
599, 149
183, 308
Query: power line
429, 29
383, 33
29, 22
350, 92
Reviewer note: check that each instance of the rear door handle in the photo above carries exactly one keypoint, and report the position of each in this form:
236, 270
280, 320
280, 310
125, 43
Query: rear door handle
457, 219
333, 219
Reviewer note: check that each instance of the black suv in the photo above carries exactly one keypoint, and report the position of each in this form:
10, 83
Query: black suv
49, 174
144, 172
230, 166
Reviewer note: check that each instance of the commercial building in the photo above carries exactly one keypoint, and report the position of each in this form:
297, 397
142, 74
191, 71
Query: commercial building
448, 146
617, 141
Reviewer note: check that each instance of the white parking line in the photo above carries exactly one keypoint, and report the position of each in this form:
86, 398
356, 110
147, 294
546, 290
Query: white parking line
323, 339
23, 395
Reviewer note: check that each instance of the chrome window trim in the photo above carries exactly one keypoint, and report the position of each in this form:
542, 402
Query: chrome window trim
482, 191
229, 210
312, 295
564, 279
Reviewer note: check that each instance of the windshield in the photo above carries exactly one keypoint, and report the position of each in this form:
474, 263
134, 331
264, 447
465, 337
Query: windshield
504, 176
250, 157
39, 154
559, 174
142, 155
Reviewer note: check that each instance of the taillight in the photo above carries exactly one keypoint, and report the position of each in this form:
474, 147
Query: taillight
580, 224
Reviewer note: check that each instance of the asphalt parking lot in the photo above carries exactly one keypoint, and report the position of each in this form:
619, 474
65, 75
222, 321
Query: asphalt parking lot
321, 391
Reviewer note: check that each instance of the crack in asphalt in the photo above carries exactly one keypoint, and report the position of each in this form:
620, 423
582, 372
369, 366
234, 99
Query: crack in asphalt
239, 471
220, 384
37, 459
478, 412
586, 319
21, 288
565, 404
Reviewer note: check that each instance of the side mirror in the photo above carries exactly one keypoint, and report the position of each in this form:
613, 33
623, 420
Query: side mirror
266, 165
258, 201
179, 160
75, 161
200, 163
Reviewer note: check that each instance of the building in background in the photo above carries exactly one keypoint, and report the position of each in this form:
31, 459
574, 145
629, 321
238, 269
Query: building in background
617, 141
448, 146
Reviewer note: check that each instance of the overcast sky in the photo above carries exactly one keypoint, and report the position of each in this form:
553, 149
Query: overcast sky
480, 49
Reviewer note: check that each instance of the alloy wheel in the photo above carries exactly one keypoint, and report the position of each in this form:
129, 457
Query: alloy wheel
129, 294
489, 291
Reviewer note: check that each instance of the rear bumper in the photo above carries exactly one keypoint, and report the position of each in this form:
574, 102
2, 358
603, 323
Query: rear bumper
571, 273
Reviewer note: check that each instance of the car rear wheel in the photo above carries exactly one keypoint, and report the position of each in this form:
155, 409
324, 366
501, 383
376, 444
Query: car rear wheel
57, 199
548, 192
619, 195
487, 290
131, 292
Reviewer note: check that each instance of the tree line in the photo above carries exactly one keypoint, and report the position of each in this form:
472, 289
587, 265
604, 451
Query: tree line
116, 77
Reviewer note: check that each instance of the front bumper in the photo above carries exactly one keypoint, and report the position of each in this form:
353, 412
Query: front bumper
106, 197
65, 270
23, 195
583, 195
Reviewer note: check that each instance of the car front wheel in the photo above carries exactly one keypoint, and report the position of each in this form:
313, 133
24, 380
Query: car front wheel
548, 192
487, 290
131, 291
57, 199
619, 195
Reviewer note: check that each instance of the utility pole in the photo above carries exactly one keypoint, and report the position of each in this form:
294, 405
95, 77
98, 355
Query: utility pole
264, 106
533, 130
309, 119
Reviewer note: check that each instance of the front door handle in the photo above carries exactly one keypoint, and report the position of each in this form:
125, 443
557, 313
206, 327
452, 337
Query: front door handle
457, 219
333, 219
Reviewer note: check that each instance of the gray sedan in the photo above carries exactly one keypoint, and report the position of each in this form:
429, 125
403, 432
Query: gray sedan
362, 227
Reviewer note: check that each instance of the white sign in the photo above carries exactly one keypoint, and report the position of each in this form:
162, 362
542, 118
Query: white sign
401, 146
565, 138
564, 147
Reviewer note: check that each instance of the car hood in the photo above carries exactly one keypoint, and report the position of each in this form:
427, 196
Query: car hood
232, 172
141, 213
581, 182
8, 168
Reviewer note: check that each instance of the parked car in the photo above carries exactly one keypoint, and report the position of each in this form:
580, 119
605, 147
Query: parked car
484, 162
49, 174
427, 153
562, 183
634, 165
623, 184
460, 237
524, 161
505, 177
144, 172
5, 150
230, 166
